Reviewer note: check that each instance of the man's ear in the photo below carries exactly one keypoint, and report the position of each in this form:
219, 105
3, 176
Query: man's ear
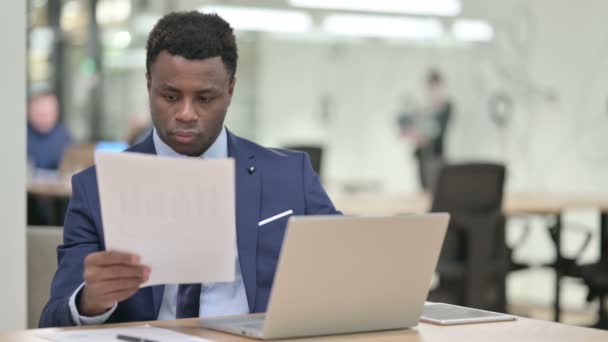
231, 90
231, 87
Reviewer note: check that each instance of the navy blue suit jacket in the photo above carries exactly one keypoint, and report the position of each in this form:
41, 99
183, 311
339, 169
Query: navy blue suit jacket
283, 180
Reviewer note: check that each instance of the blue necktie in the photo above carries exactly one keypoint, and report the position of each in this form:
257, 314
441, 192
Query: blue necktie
188, 300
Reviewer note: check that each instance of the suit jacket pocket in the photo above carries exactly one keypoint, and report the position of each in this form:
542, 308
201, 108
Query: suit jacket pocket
273, 218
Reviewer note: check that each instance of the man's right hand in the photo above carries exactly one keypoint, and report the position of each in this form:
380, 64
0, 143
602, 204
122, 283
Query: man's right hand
110, 277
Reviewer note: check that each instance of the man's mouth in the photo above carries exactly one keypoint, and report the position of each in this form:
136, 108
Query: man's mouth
184, 137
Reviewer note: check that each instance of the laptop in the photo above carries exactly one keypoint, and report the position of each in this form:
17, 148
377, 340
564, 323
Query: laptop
340, 274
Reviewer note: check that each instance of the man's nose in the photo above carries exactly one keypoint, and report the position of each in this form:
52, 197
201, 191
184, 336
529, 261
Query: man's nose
186, 113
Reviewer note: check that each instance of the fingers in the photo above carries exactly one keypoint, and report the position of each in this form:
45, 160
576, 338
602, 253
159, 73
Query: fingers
110, 277
94, 274
107, 258
99, 297
106, 288
104, 294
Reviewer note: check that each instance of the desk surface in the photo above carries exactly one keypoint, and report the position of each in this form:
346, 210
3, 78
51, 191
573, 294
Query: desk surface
521, 330
392, 204
50, 188
514, 204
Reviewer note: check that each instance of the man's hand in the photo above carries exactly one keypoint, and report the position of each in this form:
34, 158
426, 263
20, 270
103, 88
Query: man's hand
110, 277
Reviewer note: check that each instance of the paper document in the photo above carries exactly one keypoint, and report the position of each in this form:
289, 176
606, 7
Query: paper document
178, 214
111, 335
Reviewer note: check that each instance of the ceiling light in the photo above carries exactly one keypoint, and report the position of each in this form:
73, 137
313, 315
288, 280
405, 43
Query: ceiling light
117, 39
261, 19
383, 27
71, 15
418, 7
472, 30
113, 11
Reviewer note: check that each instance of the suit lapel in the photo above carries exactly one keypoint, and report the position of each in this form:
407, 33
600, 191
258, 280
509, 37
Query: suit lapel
247, 213
146, 146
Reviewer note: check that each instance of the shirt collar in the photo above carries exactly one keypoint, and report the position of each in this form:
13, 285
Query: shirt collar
217, 150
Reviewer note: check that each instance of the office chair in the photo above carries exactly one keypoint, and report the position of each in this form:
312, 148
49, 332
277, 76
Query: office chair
314, 152
474, 261
595, 277
569, 266
42, 245
521, 239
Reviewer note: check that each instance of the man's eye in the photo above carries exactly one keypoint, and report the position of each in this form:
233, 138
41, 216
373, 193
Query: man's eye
170, 98
205, 99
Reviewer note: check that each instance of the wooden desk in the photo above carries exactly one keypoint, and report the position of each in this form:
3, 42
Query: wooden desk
382, 204
49, 200
546, 204
50, 188
551, 203
521, 330
514, 204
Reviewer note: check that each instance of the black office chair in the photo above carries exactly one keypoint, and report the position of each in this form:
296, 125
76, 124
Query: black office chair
569, 266
314, 152
474, 259
595, 277
521, 239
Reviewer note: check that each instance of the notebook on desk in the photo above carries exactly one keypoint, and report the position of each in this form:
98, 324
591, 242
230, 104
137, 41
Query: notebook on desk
340, 274
448, 314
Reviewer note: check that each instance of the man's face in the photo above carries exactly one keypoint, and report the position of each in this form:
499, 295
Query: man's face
43, 113
188, 101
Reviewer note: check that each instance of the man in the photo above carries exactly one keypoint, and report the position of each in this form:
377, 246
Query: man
191, 63
47, 140
46, 137
427, 130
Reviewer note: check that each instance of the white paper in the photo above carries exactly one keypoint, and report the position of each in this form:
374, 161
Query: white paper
103, 335
178, 214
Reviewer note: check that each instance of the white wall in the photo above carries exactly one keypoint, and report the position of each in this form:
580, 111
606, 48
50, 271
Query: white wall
12, 172
549, 145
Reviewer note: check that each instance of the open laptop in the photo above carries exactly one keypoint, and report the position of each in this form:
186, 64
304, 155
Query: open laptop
339, 274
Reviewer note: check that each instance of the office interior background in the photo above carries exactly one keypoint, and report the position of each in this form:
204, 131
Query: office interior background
528, 80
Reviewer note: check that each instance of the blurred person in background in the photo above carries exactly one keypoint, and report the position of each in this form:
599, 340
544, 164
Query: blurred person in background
46, 141
46, 137
426, 129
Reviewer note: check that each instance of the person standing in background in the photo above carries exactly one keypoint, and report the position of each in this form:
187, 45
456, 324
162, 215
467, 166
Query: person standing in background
46, 137
427, 128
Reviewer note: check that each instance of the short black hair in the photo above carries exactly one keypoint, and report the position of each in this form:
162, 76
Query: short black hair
193, 35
